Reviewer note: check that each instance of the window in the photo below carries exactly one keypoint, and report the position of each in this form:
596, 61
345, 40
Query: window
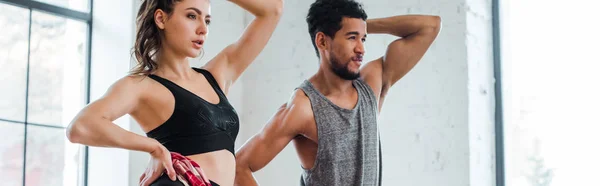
550, 92
44, 55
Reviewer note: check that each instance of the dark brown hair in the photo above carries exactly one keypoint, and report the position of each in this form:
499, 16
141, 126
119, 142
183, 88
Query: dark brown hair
148, 35
326, 16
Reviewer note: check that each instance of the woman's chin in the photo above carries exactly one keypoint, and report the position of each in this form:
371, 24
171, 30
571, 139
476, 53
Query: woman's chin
194, 53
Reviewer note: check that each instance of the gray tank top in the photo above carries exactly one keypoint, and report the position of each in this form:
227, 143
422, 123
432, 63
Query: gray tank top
348, 152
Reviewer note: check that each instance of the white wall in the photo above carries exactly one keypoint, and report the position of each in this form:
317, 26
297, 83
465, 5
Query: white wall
111, 36
424, 121
482, 154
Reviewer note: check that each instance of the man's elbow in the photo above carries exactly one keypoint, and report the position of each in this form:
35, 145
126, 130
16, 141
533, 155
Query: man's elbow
241, 166
434, 23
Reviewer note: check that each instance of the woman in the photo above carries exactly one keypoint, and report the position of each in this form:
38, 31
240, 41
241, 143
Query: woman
181, 109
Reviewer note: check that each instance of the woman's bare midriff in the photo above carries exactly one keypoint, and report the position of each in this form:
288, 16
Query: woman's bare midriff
219, 166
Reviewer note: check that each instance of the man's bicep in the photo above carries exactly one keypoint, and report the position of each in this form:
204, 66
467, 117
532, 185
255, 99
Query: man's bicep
402, 55
372, 73
274, 137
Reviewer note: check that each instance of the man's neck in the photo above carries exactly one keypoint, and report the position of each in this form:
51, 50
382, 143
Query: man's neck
328, 83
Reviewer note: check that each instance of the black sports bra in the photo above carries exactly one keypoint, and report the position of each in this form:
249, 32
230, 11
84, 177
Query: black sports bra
196, 125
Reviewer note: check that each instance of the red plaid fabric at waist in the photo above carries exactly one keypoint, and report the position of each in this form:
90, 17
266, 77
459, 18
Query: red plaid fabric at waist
188, 171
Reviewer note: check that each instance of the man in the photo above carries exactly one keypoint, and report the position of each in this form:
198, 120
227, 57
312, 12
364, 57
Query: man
332, 116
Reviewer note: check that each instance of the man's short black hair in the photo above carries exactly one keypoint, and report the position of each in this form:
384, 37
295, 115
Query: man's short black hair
326, 16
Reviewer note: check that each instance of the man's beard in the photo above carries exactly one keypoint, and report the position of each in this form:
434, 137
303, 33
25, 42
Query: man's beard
341, 70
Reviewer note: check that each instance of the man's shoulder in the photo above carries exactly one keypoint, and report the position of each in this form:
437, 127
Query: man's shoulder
298, 107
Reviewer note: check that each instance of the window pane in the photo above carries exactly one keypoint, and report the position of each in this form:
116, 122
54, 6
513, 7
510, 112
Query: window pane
51, 158
11, 153
13, 61
57, 81
551, 92
79, 5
